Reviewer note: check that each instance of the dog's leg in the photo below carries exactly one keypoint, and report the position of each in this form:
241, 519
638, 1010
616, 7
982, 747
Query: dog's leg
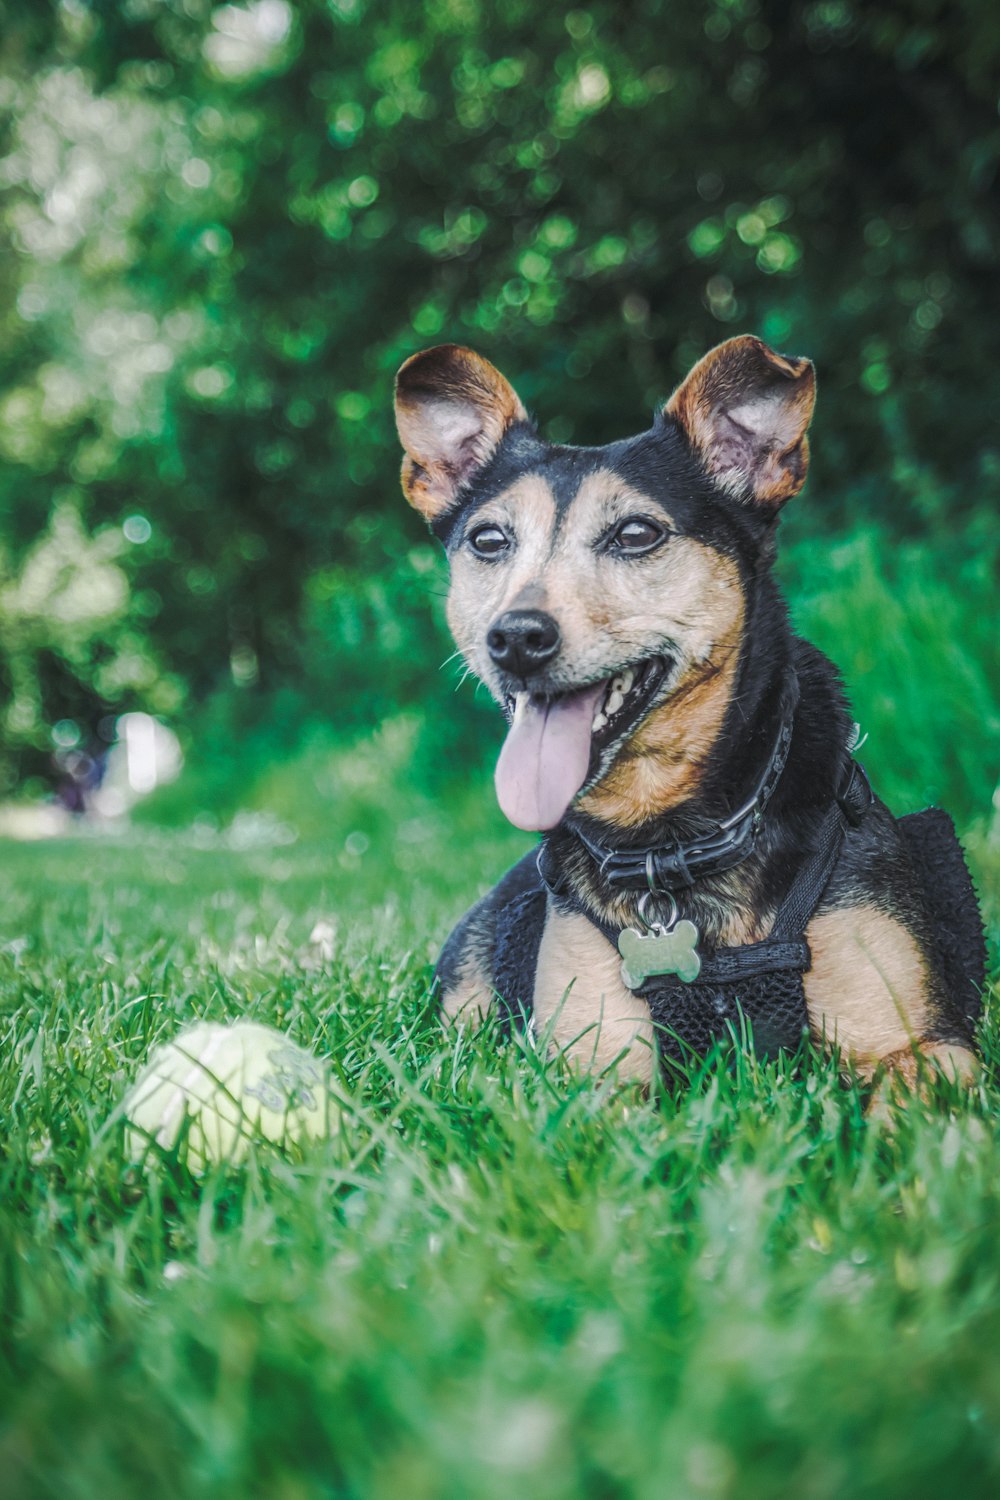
869, 994
469, 995
913, 1072
582, 1005
465, 970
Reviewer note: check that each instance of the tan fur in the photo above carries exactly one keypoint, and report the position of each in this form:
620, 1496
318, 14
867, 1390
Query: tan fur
867, 990
581, 1002
604, 496
745, 409
910, 1074
734, 915
662, 764
915, 1066
471, 997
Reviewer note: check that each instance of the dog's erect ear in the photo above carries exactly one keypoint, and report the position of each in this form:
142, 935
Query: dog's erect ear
745, 410
452, 409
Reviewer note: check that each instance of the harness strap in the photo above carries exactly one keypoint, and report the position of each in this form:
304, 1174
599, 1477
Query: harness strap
853, 799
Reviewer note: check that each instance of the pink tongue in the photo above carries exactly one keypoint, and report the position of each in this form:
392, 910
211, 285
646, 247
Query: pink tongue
545, 758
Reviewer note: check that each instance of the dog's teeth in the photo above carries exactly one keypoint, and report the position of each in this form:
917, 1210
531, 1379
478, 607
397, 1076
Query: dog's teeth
622, 684
520, 704
599, 721
615, 701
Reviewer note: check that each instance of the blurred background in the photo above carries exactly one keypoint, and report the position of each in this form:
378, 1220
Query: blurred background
225, 226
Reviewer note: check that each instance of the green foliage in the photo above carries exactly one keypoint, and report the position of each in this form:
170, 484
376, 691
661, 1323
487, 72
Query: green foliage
233, 222
912, 629
498, 1275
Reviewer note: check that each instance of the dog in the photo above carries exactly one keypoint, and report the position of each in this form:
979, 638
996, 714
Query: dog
713, 861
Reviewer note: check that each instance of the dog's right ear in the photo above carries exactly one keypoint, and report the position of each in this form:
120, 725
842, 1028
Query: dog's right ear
452, 409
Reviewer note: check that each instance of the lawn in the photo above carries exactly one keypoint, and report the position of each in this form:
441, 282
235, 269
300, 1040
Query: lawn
498, 1278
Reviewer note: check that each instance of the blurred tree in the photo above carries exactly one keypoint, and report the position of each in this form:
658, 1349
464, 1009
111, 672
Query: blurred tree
233, 222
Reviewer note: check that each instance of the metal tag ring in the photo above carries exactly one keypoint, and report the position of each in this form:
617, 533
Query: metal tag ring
643, 908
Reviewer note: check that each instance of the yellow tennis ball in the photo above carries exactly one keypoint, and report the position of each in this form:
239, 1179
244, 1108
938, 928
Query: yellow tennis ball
216, 1088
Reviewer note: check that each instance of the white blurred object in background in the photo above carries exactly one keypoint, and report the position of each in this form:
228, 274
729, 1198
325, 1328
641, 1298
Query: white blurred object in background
145, 755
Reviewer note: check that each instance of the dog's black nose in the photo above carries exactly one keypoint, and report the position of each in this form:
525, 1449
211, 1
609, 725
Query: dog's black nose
523, 641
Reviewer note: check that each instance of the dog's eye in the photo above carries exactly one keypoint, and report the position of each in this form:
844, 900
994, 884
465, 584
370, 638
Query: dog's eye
488, 541
635, 536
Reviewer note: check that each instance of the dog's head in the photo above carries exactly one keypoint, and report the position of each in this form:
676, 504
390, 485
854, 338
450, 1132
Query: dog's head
600, 592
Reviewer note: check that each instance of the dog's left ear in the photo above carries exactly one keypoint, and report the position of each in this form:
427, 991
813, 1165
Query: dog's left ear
452, 409
745, 410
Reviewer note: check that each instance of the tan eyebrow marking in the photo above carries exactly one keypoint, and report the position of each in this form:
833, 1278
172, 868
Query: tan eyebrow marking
605, 491
528, 501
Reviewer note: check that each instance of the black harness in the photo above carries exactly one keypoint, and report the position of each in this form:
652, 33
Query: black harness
756, 984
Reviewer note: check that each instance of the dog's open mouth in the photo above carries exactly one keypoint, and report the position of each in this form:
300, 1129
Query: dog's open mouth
556, 741
626, 699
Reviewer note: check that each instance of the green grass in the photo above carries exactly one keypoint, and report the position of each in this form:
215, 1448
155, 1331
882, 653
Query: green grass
499, 1278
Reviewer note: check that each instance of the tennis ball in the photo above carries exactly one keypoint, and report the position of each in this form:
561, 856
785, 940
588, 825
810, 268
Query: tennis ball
215, 1088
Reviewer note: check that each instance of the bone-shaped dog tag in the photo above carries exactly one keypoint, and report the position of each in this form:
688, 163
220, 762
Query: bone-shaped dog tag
660, 951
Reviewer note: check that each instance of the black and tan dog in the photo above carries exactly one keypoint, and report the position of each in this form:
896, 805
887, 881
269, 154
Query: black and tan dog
712, 853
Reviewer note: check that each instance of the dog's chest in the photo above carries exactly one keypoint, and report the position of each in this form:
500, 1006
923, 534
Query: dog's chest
580, 1004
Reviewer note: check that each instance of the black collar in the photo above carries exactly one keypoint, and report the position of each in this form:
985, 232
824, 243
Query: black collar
676, 866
